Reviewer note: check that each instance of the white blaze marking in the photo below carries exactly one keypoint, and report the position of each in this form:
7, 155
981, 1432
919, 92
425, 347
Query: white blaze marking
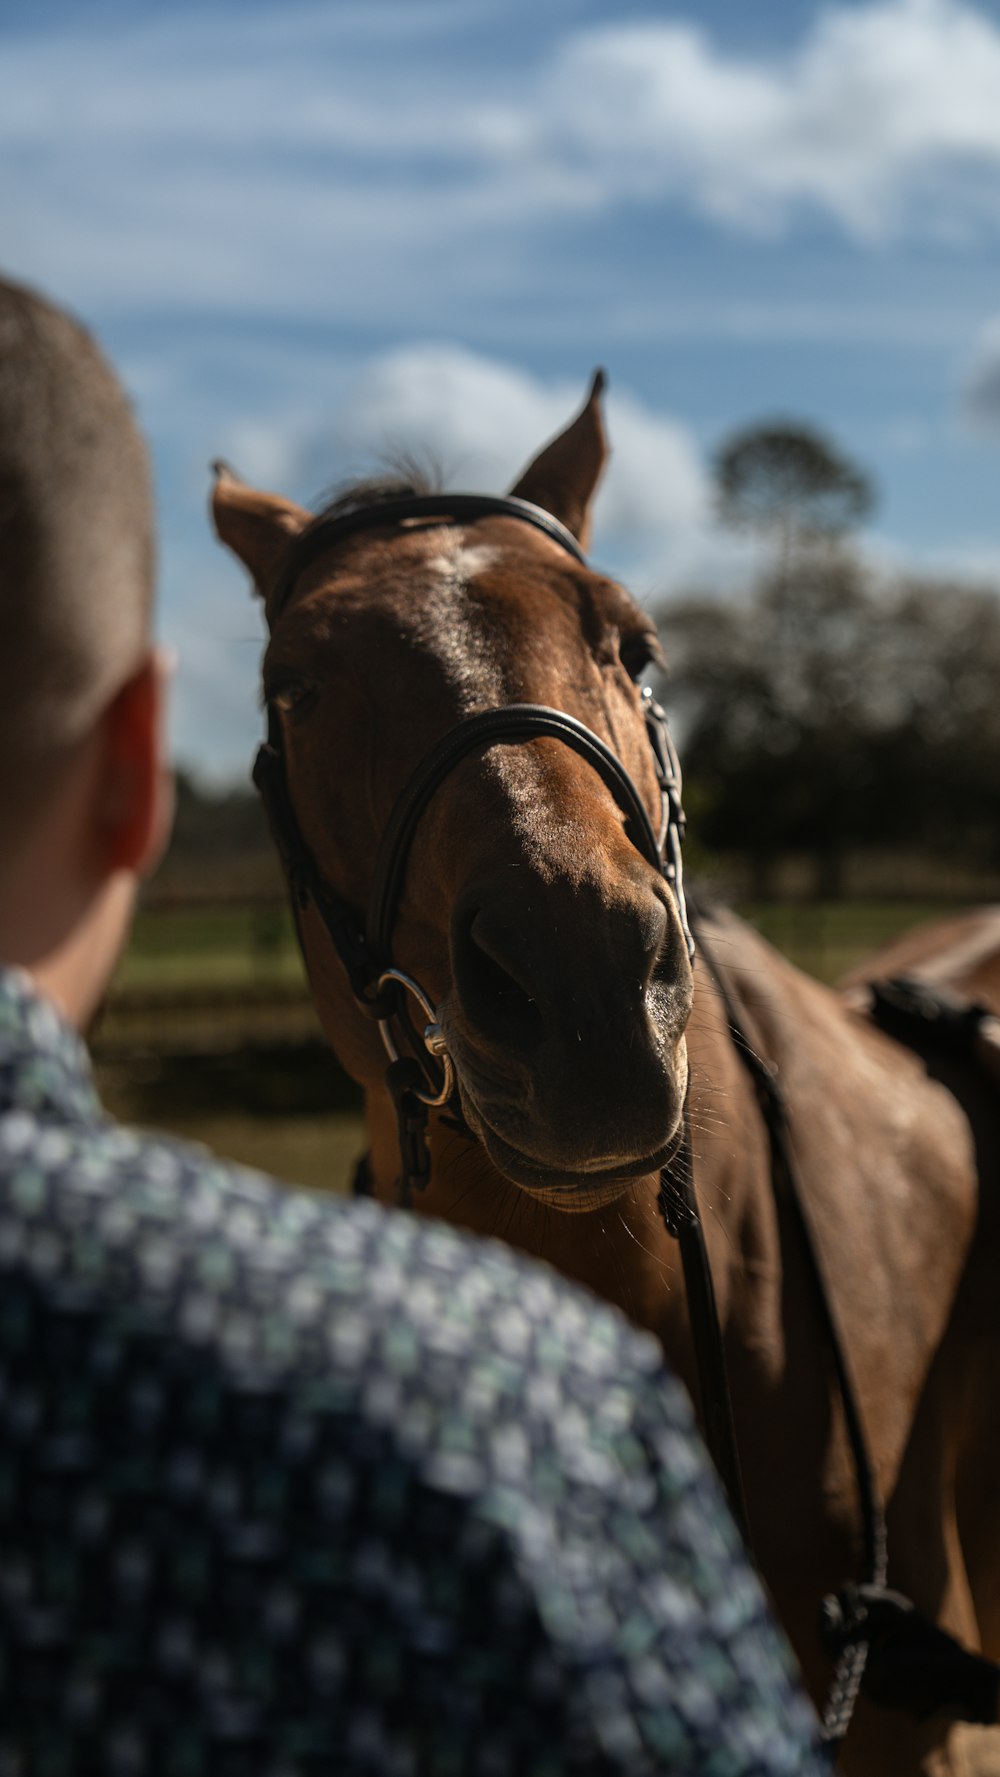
457, 562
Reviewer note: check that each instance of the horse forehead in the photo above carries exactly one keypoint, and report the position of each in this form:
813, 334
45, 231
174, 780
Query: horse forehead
459, 589
447, 624
495, 581
454, 561
490, 613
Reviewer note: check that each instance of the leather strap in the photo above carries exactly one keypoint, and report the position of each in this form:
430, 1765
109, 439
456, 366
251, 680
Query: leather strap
430, 509
508, 725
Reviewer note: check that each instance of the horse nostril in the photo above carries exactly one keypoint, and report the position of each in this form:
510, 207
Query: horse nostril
667, 954
492, 997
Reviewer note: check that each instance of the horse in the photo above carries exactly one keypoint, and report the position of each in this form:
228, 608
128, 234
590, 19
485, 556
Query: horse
528, 938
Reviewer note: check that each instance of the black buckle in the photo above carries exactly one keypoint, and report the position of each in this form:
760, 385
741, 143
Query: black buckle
912, 1664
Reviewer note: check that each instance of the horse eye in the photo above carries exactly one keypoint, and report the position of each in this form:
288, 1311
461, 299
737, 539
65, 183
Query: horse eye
636, 652
294, 697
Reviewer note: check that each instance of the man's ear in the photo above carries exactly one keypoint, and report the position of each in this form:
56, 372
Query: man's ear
134, 806
257, 527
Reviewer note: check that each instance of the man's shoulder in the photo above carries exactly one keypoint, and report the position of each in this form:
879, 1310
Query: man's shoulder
145, 1217
52, 1158
138, 1209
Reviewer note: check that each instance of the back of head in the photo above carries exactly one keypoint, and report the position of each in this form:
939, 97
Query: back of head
76, 547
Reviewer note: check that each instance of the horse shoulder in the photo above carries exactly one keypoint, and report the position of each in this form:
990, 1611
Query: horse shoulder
886, 1165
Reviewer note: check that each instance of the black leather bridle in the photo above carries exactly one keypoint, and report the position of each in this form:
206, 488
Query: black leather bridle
423, 1077
365, 948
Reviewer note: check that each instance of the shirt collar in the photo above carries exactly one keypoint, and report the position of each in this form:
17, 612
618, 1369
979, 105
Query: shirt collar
44, 1064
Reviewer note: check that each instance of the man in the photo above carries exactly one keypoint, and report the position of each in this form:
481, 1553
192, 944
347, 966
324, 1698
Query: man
286, 1485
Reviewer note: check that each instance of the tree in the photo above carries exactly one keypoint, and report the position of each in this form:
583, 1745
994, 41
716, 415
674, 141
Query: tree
829, 712
778, 713
790, 482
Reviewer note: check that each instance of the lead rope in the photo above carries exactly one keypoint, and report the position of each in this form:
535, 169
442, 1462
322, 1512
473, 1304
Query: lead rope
854, 1636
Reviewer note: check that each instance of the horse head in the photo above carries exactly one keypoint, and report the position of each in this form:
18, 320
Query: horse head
549, 943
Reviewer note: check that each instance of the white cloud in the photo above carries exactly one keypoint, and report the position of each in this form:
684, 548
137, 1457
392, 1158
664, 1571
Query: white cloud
215, 720
482, 420
885, 117
475, 420
291, 166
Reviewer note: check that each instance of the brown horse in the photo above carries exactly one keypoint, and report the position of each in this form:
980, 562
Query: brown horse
554, 955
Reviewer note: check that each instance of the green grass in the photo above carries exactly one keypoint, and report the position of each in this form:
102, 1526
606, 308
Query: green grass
205, 947
318, 1150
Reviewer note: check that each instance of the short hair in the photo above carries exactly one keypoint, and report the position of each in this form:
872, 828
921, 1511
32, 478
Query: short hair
76, 546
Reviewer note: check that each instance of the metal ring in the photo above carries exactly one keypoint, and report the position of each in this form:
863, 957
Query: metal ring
433, 1037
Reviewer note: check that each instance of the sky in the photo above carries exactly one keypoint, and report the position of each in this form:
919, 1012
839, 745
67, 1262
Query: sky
313, 235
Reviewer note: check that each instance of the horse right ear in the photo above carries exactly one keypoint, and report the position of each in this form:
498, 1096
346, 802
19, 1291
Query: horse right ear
563, 478
257, 527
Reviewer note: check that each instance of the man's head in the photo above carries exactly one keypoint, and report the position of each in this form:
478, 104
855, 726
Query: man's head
82, 805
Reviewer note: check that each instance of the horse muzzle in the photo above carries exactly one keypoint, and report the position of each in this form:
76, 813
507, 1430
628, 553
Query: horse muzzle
568, 1186
569, 1055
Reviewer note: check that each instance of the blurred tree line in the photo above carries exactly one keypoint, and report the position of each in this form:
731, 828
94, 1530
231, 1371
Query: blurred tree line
834, 708
217, 823
220, 847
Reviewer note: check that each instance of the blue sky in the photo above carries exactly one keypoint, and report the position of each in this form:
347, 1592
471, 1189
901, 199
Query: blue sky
309, 234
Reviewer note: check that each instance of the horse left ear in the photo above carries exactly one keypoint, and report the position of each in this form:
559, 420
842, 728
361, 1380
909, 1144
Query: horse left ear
563, 478
257, 527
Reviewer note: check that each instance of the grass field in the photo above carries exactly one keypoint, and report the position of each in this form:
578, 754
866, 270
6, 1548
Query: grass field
214, 946
318, 1150
209, 1031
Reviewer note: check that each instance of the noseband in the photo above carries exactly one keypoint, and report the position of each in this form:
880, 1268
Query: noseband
425, 1076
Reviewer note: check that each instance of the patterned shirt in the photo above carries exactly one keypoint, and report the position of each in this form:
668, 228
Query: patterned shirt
292, 1485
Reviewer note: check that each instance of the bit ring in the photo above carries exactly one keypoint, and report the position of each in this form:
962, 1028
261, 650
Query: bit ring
434, 1039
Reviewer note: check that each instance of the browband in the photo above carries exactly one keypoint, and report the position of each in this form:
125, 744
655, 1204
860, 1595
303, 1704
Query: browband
426, 508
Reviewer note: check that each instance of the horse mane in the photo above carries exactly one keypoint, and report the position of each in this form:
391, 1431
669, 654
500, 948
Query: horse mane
375, 490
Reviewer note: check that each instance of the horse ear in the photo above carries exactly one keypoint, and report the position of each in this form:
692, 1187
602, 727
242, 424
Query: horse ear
257, 527
563, 478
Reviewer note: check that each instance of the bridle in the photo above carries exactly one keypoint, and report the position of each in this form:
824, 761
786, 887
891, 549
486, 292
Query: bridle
422, 1077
